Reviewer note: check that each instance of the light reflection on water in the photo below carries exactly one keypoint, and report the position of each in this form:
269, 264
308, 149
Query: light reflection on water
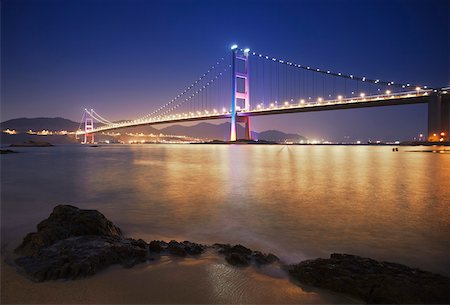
295, 201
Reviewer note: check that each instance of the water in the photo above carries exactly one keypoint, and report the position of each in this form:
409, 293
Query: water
298, 202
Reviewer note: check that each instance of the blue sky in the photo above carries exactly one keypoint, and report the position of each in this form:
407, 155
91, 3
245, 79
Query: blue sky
125, 58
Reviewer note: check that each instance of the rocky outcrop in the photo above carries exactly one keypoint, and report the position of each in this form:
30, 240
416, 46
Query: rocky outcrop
67, 221
7, 151
82, 256
73, 243
32, 144
239, 255
373, 281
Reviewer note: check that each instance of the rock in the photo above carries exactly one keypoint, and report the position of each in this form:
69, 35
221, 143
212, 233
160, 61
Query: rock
176, 248
32, 144
373, 281
7, 151
239, 255
157, 246
237, 259
67, 221
184, 248
81, 256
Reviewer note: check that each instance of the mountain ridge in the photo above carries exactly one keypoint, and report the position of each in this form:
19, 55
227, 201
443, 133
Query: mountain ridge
203, 130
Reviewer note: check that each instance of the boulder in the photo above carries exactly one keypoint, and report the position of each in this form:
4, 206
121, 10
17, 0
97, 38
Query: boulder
82, 256
67, 221
373, 281
239, 255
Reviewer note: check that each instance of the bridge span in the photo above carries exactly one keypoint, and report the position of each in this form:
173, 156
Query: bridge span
271, 95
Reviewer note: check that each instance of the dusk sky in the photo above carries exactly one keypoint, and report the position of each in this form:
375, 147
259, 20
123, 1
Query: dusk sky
126, 58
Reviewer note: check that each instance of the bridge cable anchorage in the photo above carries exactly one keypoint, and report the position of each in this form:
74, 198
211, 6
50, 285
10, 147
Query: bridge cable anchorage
186, 90
339, 74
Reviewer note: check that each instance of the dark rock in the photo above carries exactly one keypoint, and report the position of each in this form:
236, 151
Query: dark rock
157, 246
176, 248
239, 255
82, 256
32, 144
67, 221
373, 281
263, 259
237, 259
185, 248
7, 151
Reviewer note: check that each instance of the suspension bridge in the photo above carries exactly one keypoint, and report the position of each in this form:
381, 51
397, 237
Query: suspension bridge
248, 84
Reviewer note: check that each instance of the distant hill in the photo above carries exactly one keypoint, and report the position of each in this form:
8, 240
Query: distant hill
279, 136
222, 131
202, 130
25, 124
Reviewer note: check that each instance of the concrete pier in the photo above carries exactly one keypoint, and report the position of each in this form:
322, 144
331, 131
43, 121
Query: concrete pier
438, 117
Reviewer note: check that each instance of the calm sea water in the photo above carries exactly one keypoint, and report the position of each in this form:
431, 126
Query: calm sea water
295, 201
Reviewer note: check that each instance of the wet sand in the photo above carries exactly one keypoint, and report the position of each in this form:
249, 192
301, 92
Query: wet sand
170, 280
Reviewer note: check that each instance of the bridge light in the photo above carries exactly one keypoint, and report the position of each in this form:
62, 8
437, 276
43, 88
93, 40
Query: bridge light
224, 110
259, 106
286, 103
302, 101
319, 99
417, 88
272, 105
388, 91
339, 97
235, 46
215, 111
362, 95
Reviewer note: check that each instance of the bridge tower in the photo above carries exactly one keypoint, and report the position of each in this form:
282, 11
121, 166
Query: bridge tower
438, 117
240, 94
88, 127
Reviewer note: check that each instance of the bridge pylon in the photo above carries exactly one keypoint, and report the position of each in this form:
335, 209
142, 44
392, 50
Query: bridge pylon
438, 117
88, 127
240, 94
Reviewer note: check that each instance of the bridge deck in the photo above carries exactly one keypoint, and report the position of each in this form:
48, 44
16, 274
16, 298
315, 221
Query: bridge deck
403, 98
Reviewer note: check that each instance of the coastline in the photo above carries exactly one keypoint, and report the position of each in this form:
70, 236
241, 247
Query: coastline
208, 279
74, 246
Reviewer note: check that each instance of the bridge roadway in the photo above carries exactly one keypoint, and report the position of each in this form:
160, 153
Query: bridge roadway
404, 98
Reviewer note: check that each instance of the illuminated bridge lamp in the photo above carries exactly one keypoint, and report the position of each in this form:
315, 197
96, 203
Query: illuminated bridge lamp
362, 95
388, 91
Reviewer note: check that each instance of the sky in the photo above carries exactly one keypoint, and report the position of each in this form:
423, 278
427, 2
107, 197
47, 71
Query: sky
126, 58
